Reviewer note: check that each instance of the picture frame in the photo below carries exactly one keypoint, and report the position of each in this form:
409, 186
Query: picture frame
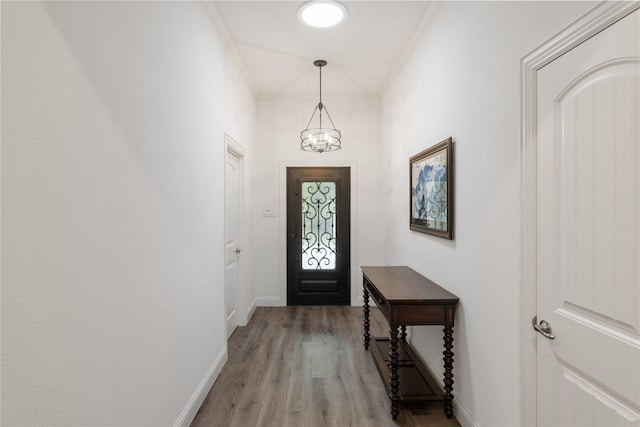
431, 190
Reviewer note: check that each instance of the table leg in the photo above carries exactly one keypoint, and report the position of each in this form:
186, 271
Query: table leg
448, 371
394, 379
366, 318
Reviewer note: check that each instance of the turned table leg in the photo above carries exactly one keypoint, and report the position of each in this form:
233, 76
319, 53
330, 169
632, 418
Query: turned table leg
366, 318
448, 371
403, 332
394, 379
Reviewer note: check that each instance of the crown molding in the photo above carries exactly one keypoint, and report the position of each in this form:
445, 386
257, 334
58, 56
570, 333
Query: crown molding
221, 29
428, 16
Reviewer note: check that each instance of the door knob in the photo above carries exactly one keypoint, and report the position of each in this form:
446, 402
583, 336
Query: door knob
543, 327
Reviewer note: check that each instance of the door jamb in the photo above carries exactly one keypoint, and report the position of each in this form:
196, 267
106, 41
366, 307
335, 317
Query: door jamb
236, 149
597, 19
354, 296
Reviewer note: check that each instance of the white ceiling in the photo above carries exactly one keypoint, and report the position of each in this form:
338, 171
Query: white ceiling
277, 51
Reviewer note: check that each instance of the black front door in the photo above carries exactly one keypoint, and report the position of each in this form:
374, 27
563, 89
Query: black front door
318, 236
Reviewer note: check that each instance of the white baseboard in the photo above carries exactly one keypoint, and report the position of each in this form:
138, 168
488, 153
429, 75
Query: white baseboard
269, 302
459, 411
189, 412
251, 310
462, 415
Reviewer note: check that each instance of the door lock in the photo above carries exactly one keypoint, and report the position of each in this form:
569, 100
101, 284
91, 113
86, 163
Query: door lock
543, 327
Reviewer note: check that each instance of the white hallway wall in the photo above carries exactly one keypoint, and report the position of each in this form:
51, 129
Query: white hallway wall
463, 81
112, 221
279, 121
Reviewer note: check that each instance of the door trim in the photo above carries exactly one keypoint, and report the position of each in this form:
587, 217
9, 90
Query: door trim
236, 149
356, 291
331, 286
597, 19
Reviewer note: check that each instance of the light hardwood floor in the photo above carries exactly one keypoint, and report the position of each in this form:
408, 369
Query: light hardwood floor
306, 366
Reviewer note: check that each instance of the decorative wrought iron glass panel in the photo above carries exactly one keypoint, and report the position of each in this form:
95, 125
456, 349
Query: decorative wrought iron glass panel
318, 225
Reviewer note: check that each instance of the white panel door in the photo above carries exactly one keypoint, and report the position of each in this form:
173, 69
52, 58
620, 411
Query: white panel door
588, 231
231, 234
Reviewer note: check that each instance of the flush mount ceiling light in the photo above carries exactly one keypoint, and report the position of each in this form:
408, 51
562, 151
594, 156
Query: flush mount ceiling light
322, 13
320, 139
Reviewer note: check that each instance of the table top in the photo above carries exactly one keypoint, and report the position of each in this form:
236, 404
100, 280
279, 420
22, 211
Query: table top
403, 285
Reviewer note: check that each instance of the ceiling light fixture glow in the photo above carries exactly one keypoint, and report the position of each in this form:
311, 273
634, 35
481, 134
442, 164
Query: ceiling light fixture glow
322, 13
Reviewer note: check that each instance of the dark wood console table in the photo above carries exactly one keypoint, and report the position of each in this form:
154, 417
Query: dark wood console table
407, 298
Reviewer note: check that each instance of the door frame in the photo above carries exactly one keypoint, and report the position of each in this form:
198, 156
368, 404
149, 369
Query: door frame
297, 275
597, 19
236, 149
355, 290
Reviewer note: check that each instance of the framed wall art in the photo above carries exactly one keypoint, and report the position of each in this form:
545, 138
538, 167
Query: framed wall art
431, 190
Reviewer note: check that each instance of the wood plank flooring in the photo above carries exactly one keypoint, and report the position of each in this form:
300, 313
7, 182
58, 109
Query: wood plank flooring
305, 367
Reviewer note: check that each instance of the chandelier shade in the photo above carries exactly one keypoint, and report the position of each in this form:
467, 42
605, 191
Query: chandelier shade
320, 139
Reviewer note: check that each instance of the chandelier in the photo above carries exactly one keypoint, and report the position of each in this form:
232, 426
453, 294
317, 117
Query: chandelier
320, 139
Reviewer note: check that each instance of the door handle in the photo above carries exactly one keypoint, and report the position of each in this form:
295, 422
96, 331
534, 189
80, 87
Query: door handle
543, 327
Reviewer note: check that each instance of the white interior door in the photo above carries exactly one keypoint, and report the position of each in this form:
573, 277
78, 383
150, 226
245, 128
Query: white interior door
588, 231
232, 198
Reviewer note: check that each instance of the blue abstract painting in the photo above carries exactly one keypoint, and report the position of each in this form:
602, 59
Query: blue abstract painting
429, 207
